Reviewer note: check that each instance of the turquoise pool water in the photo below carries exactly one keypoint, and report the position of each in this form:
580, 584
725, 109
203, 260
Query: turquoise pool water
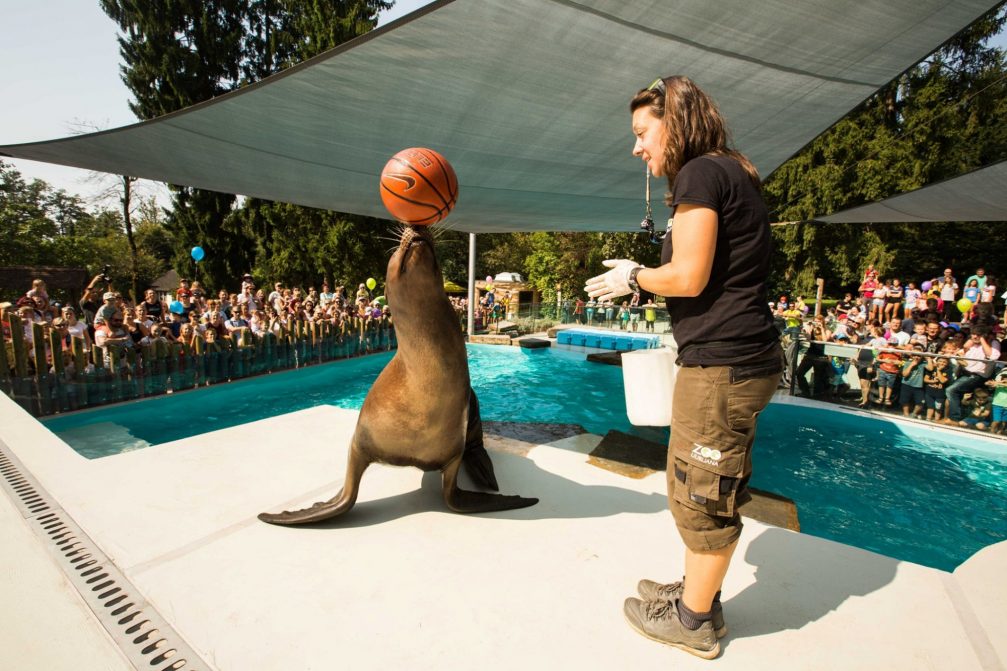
921, 495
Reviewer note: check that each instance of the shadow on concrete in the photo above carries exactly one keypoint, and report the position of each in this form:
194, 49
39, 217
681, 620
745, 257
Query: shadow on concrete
798, 580
559, 497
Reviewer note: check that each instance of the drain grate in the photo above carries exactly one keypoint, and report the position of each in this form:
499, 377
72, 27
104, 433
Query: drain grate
144, 637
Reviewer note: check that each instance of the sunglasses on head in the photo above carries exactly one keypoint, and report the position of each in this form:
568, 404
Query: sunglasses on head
659, 86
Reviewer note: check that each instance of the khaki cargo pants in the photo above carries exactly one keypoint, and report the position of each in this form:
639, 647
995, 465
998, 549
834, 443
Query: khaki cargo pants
714, 415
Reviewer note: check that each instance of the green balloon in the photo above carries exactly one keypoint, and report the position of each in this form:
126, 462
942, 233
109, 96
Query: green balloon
371, 283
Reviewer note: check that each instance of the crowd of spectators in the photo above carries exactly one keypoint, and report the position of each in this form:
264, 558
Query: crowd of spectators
628, 315
923, 352
105, 319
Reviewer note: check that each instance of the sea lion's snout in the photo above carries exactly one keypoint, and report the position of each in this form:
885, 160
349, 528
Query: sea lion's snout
416, 246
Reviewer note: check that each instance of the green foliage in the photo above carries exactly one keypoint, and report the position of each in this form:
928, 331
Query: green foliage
180, 52
946, 116
40, 226
302, 245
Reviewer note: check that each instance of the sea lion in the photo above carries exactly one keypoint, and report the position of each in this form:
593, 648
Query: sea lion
421, 410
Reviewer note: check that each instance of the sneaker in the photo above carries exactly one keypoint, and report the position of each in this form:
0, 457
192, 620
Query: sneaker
658, 621
655, 591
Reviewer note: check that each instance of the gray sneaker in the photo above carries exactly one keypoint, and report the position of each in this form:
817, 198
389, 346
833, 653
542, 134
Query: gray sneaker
655, 591
658, 620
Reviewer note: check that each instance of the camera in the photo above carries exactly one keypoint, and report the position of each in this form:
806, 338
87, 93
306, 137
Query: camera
104, 273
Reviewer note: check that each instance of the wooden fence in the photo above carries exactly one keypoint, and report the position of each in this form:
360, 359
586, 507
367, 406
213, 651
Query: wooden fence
46, 378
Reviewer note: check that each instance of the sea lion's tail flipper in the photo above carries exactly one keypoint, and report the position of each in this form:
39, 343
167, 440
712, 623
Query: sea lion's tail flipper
462, 501
323, 510
475, 457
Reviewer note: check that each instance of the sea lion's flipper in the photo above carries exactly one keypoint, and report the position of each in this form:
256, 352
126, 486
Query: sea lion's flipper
323, 510
475, 457
462, 501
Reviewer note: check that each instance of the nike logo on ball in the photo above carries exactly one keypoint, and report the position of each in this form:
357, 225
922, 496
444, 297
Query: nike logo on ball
410, 181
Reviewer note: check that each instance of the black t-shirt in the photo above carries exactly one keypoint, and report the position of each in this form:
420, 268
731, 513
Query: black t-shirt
730, 321
154, 310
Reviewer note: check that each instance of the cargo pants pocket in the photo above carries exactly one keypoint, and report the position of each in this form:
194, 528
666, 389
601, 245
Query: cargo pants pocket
706, 488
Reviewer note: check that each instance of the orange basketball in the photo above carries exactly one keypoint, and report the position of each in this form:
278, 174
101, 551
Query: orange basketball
419, 186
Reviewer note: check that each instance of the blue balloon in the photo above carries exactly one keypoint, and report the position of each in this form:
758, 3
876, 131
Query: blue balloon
177, 307
198, 253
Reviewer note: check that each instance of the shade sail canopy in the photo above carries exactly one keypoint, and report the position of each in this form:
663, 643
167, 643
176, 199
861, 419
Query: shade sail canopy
528, 100
980, 195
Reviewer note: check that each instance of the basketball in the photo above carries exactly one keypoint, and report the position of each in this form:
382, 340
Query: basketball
419, 186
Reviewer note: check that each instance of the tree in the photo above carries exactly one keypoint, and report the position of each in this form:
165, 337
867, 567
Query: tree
180, 52
40, 226
945, 116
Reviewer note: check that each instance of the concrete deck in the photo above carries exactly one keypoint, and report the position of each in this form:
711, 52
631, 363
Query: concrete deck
401, 583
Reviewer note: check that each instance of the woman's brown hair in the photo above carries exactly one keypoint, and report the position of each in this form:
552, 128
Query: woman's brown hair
693, 124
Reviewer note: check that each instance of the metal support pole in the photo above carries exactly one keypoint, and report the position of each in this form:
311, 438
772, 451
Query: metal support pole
470, 325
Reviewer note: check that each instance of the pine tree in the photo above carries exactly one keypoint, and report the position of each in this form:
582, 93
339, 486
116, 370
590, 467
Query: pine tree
180, 52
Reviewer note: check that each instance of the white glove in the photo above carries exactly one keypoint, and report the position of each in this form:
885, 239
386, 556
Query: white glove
614, 283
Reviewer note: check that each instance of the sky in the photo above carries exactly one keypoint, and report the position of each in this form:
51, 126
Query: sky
61, 74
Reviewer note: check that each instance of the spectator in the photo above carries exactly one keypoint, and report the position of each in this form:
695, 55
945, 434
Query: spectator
76, 328
896, 333
792, 320
844, 306
224, 303
90, 301
188, 336
936, 375
863, 362
999, 411
933, 333
324, 298
893, 299
112, 337
815, 360
980, 279
237, 322
912, 299
989, 291
590, 308
948, 288
889, 367
624, 316
109, 307
972, 290
650, 314
975, 357
634, 310
911, 394
867, 289
919, 335
979, 409
247, 297
153, 306
183, 290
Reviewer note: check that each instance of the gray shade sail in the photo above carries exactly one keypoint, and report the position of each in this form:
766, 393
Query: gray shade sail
528, 100
980, 195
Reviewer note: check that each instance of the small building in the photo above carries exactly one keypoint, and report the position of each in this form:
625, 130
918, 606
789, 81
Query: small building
510, 289
166, 285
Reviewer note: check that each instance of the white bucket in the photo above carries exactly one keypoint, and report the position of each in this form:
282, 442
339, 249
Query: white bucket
649, 378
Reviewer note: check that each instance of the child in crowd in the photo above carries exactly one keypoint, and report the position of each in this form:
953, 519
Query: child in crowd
979, 410
911, 395
999, 412
912, 298
889, 366
936, 376
624, 316
863, 362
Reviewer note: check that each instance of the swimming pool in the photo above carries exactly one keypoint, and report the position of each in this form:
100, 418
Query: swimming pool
932, 497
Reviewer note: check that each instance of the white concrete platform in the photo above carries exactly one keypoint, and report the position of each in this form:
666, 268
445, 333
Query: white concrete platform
401, 583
